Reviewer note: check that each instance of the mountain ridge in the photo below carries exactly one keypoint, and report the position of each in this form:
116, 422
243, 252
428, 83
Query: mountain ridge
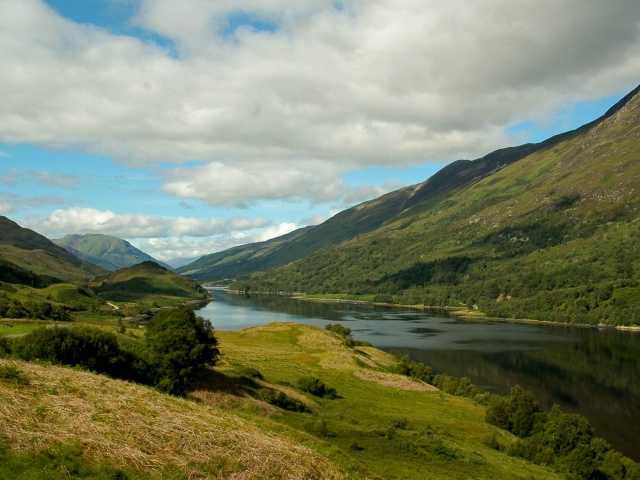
109, 252
548, 237
373, 214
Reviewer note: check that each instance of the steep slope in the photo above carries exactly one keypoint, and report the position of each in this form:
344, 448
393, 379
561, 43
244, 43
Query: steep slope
148, 282
28, 250
552, 236
370, 215
110, 253
151, 435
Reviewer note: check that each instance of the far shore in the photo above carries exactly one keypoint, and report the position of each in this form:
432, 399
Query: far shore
462, 312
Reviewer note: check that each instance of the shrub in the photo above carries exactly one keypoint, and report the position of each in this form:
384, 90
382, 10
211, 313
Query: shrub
85, 347
517, 413
281, 400
10, 373
5, 347
180, 345
316, 387
413, 369
338, 329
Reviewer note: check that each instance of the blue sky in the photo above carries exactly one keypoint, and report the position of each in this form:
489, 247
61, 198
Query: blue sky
312, 137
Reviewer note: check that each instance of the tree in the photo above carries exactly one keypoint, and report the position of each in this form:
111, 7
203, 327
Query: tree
180, 344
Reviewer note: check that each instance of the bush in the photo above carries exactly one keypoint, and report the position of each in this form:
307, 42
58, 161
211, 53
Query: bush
316, 387
413, 369
561, 440
85, 347
10, 373
281, 400
180, 345
517, 413
338, 329
5, 347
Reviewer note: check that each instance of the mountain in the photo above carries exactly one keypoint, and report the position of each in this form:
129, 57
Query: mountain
368, 216
110, 253
546, 231
176, 263
146, 281
27, 253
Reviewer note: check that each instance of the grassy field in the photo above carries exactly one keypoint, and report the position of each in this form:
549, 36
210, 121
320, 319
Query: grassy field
18, 327
381, 426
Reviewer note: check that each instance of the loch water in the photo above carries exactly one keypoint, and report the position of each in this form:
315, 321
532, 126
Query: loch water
594, 372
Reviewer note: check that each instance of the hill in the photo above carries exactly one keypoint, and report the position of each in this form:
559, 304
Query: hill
382, 425
147, 282
549, 236
110, 253
368, 216
23, 250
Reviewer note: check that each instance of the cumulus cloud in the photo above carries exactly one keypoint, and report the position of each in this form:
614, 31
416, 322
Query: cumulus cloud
89, 220
329, 89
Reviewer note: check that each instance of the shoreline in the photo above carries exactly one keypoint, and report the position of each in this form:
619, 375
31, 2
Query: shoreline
464, 313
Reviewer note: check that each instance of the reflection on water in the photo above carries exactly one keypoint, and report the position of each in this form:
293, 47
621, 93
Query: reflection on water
596, 373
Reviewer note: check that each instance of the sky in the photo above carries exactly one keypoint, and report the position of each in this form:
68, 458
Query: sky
190, 127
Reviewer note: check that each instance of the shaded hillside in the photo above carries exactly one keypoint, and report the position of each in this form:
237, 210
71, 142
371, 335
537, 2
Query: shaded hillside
146, 281
552, 236
110, 253
35, 253
368, 216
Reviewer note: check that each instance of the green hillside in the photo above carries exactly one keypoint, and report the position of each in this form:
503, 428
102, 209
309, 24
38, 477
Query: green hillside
552, 236
110, 253
234, 423
27, 250
147, 282
366, 217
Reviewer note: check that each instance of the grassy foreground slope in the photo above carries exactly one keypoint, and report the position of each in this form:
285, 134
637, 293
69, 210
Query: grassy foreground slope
552, 236
108, 252
381, 426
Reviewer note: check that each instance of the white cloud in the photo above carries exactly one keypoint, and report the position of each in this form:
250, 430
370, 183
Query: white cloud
276, 231
89, 220
285, 113
5, 207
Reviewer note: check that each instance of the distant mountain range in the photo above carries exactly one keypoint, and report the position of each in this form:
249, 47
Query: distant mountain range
110, 253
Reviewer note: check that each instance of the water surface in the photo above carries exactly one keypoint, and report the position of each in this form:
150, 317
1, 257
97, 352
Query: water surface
593, 372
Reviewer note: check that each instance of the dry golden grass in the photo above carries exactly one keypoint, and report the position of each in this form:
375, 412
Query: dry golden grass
134, 426
393, 380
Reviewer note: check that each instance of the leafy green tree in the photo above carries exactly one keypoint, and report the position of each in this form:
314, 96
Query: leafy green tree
180, 345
